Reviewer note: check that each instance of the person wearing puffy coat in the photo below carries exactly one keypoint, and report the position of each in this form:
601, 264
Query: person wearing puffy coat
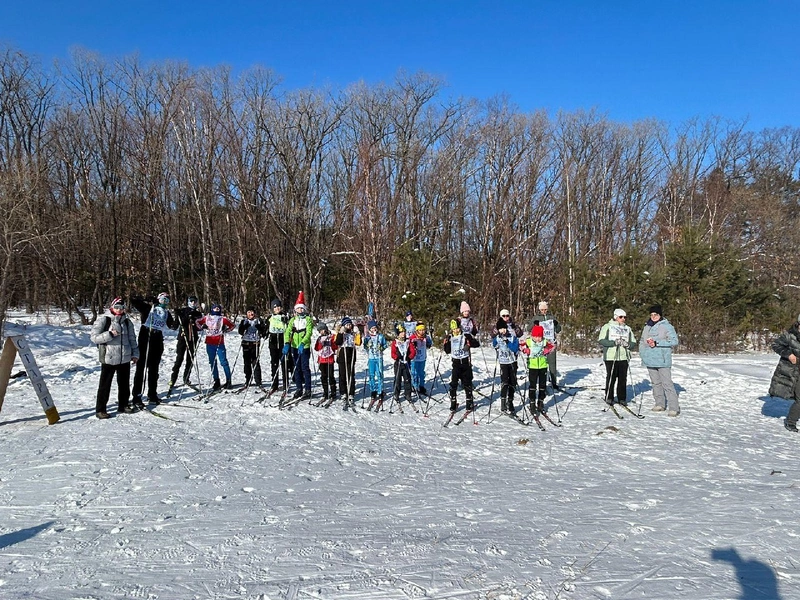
785, 381
655, 347
116, 341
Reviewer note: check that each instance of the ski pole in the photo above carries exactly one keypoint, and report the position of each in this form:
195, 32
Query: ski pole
494, 378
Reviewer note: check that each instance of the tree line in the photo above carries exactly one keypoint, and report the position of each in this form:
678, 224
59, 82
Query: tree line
118, 177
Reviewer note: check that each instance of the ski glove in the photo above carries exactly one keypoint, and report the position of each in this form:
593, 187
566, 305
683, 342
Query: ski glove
285, 349
300, 348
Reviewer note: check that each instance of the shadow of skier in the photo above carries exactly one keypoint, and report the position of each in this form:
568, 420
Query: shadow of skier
757, 579
15, 537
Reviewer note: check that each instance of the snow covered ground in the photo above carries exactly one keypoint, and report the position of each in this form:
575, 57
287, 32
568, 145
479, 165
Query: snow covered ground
236, 500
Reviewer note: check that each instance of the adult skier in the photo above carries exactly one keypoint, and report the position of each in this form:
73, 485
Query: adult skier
156, 319
617, 339
188, 339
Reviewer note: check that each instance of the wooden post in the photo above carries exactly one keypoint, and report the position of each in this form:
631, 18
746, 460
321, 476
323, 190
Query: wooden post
14, 344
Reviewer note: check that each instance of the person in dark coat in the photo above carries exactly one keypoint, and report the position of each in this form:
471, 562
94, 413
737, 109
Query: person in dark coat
785, 380
188, 339
156, 320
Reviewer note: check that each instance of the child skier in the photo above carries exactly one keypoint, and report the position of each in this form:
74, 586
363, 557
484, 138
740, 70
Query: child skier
409, 324
347, 339
374, 345
252, 329
279, 363
422, 342
403, 352
507, 345
297, 340
458, 345
536, 348
216, 326
326, 350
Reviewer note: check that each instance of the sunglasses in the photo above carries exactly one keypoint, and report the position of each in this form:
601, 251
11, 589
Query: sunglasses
622, 317
506, 316
118, 307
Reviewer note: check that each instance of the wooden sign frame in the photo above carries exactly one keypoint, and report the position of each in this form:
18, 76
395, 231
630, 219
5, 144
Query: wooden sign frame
14, 344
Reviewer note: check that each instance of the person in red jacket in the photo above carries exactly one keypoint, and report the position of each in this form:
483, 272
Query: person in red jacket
326, 356
403, 352
216, 326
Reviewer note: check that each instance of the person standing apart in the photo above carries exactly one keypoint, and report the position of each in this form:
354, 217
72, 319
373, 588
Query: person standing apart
786, 378
116, 342
551, 328
617, 339
655, 347
156, 319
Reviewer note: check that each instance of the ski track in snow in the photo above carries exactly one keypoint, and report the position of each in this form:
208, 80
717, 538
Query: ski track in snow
247, 501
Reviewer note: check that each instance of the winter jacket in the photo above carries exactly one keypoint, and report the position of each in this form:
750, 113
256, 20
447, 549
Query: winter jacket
550, 325
348, 339
609, 334
375, 345
458, 346
252, 331
187, 319
467, 325
115, 349
276, 327
298, 331
404, 351
663, 333
422, 343
507, 347
154, 316
785, 376
537, 352
326, 349
216, 327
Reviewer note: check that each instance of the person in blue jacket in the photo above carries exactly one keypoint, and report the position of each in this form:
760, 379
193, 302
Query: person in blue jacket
655, 346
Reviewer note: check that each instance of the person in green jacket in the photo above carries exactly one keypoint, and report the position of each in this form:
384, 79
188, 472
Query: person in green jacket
617, 339
297, 341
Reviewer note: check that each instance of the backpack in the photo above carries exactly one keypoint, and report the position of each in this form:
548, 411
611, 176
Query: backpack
101, 348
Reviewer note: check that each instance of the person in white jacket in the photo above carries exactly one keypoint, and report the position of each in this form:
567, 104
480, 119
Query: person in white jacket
116, 342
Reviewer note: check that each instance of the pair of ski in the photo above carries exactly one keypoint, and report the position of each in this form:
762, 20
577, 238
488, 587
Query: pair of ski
625, 406
461, 419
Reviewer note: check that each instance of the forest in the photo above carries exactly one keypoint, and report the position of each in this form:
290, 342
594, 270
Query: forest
120, 177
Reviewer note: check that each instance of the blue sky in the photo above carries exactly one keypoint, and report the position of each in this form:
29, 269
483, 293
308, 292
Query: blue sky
670, 60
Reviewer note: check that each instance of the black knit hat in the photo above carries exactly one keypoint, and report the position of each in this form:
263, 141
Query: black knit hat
656, 308
501, 324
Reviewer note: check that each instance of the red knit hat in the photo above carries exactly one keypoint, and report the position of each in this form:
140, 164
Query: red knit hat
537, 331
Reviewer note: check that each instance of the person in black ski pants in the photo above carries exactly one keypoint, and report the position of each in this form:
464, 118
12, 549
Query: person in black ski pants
156, 319
188, 339
252, 329
347, 339
458, 345
276, 329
